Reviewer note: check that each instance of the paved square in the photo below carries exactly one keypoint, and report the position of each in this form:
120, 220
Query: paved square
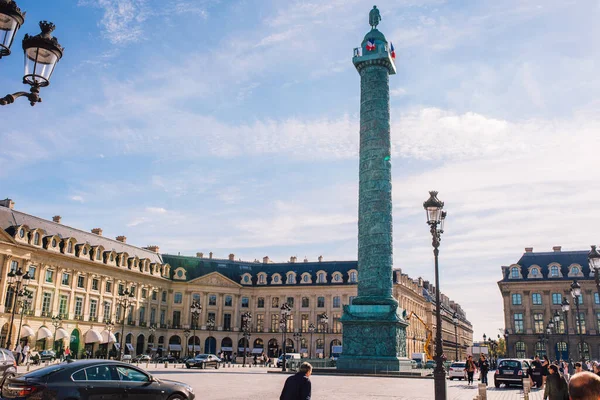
257, 384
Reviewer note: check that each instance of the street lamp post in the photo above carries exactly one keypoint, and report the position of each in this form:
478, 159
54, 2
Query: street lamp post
565, 309
575, 293
25, 304
42, 51
594, 261
246, 319
455, 321
311, 330
110, 325
324, 321
56, 321
124, 301
297, 337
506, 342
195, 310
414, 343
151, 331
286, 311
15, 280
186, 333
435, 219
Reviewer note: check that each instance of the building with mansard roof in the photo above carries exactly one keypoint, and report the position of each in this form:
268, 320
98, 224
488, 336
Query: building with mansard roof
78, 276
533, 290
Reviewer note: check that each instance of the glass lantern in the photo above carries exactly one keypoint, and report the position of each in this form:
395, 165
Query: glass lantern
11, 19
42, 52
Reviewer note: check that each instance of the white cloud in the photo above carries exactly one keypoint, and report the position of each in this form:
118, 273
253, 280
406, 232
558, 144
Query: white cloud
137, 221
156, 210
77, 198
397, 92
122, 19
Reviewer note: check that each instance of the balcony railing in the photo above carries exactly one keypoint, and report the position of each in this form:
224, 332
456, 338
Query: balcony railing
93, 319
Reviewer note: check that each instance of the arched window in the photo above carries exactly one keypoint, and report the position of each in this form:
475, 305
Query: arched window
554, 271
322, 277
261, 279
534, 272
540, 349
290, 278
353, 277
586, 351
70, 247
514, 273
575, 271
520, 349
36, 239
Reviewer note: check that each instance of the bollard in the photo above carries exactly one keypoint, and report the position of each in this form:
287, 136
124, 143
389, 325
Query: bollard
166, 364
28, 367
526, 388
146, 364
482, 391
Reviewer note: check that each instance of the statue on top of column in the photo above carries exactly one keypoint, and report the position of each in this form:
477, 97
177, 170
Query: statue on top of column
374, 17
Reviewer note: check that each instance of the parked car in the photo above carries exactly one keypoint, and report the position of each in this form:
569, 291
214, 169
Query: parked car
126, 357
8, 365
419, 362
457, 370
288, 357
511, 371
111, 379
47, 355
204, 361
430, 364
170, 359
142, 358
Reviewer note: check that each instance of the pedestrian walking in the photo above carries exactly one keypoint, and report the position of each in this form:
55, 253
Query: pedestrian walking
26, 353
470, 368
584, 386
67, 353
484, 367
545, 365
536, 372
298, 386
18, 353
556, 386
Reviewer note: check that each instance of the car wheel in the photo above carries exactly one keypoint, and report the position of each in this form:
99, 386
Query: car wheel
451, 378
177, 397
188, 366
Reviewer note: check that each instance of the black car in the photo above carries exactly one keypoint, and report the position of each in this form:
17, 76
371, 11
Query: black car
47, 355
170, 359
511, 371
92, 380
8, 365
204, 361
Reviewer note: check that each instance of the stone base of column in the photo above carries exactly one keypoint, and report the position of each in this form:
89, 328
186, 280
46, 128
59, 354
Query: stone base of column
374, 339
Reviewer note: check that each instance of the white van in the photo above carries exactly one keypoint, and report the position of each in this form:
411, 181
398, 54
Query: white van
288, 357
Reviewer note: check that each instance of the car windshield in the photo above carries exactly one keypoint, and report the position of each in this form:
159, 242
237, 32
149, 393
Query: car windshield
510, 364
202, 356
458, 365
44, 372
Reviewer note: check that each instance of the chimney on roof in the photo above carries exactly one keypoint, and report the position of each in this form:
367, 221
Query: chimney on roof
293, 259
320, 258
556, 248
56, 219
528, 249
265, 259
200, 255
232, 257
305, 259
153, 248
122, 239
210, 255
7, 203
97, 231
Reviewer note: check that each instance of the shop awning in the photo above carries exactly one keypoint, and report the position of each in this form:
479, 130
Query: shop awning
43, 333
93, 336
319, 351
108, 337
129, 346
62, 333
303, 350
197, 347
257, 350
175, 347
242, 350
117, 346
226, 348
26, 331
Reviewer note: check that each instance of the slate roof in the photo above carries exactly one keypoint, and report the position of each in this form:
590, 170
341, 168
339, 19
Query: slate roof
10, 218
544, 259
196, 267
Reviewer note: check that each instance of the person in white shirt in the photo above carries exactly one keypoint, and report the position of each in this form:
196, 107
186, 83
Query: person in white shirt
26, 353
19, 353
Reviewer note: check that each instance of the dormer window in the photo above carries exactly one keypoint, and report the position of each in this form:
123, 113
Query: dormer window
534, 273
305, 278
84, 251
337, 277
246, 279
21, 233
70, 247
353, 277
53, 242
291, 278
575, 270
554, 271
98, 254
261, 279
321, 277
276, 279
36, 239
514, 273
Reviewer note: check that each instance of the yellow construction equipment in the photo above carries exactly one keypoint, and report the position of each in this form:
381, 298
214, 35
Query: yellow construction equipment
428, 335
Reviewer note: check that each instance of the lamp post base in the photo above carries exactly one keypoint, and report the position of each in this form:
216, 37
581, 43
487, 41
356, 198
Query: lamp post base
439, 379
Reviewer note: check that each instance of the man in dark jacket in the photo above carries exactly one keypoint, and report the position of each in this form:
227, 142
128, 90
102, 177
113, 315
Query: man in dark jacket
298, 387
484, 367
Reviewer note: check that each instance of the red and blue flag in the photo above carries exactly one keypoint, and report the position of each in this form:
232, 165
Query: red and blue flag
370, 45
392, 51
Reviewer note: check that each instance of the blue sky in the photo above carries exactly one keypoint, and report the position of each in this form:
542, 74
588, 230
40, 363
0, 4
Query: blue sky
232, 127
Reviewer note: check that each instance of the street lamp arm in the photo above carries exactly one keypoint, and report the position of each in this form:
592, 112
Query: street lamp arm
33, 97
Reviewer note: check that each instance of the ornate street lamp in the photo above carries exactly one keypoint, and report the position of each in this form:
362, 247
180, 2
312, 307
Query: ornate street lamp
565, 309
124, 301
246, 319
575, 293
15, 280
435, 219
297, 338
11, 19
286, 311
186, 333
594, 261
455, 322
195, 310
109, 325
506, 334
42, 52
311, 330
25, 304
323, 321
56, 321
